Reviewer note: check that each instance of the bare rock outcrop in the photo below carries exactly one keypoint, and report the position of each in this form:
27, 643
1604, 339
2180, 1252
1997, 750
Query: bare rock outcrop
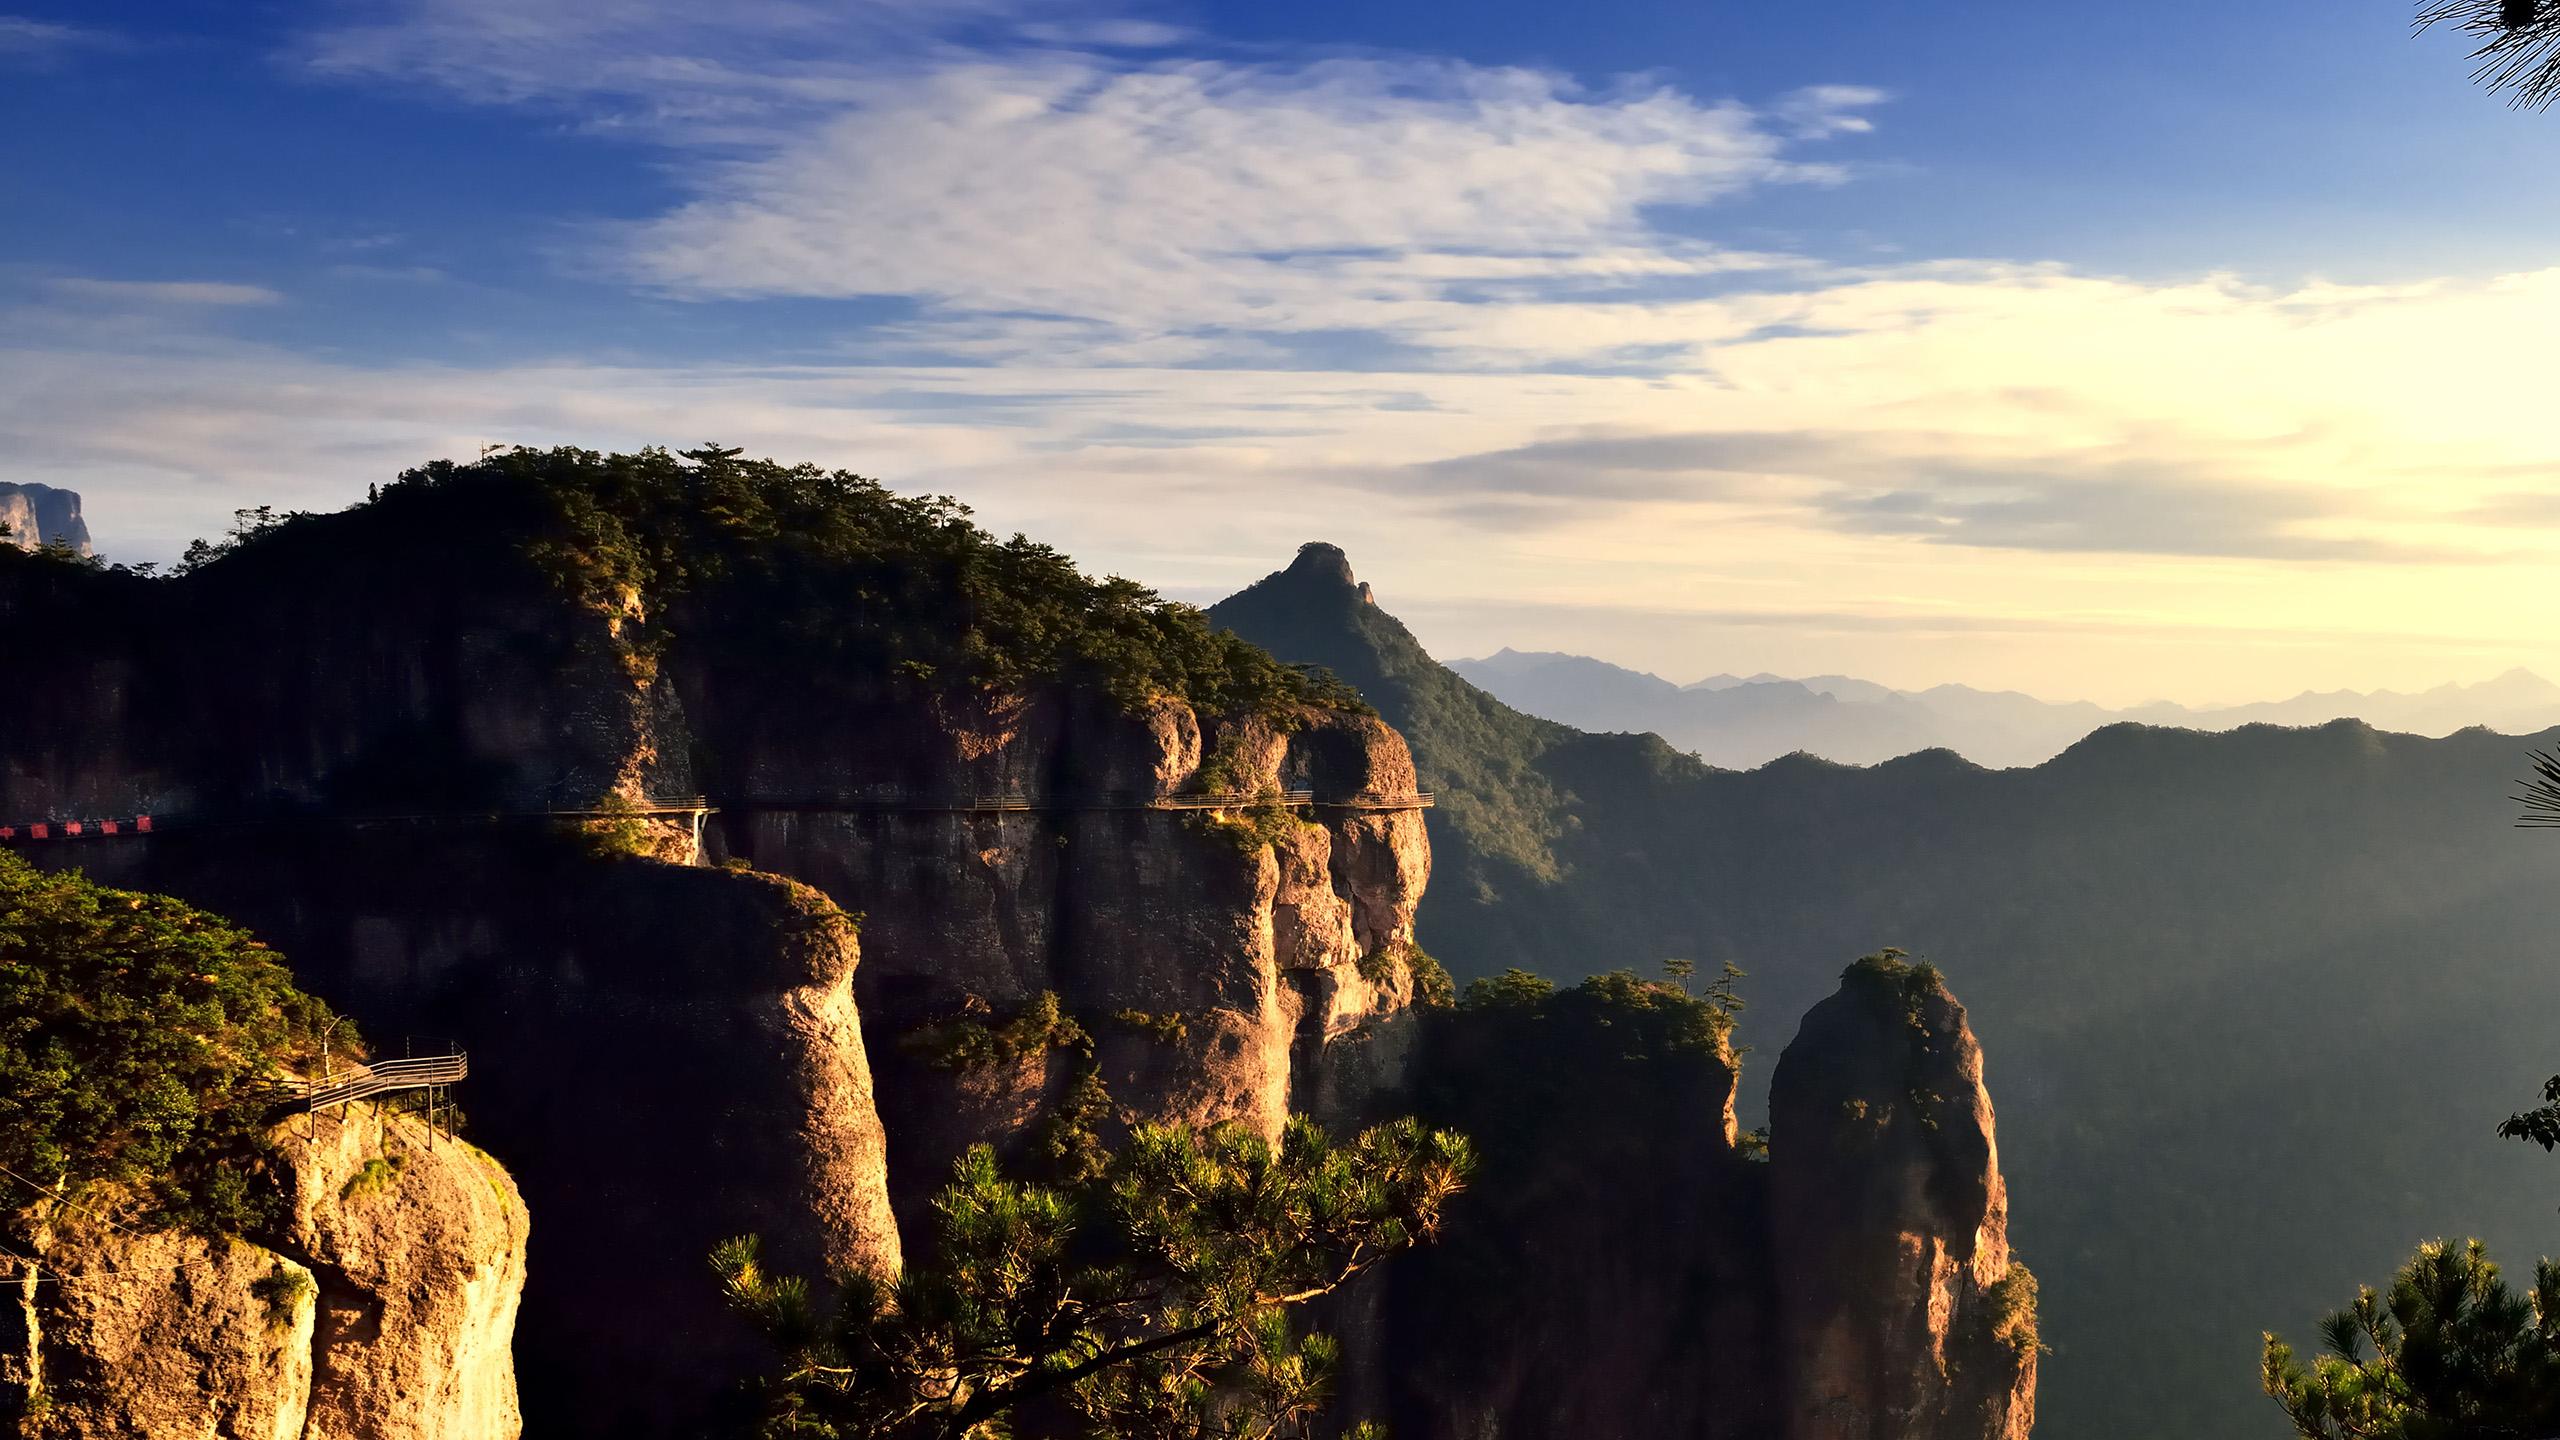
383, 1309
1902, 1314
1629, 1266
33, 516
1231, 963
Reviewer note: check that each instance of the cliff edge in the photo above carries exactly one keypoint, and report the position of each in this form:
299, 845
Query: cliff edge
384, 1310
33, 516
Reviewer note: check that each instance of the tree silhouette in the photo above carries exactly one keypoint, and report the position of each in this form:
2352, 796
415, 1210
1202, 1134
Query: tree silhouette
2519, 50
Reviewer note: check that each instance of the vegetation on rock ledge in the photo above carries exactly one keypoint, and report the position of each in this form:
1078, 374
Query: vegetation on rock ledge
822, 569
142, 1043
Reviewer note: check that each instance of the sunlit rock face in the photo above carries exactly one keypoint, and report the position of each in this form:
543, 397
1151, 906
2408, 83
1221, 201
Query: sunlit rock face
1263, 957
1902, 1316
383, 1309
34, 516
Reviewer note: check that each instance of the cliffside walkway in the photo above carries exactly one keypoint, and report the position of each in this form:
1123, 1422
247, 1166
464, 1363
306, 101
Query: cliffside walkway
943, 803
382, 1077
696, 807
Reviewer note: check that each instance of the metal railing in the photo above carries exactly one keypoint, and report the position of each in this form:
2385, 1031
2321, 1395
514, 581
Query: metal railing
699, 806
363, 1082
1013, 801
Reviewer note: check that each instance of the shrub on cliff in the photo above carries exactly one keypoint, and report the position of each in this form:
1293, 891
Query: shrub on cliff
1152, 1299
141, 1042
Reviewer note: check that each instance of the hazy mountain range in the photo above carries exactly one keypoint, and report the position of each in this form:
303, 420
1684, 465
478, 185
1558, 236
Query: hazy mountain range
2254, 1001
1739, 721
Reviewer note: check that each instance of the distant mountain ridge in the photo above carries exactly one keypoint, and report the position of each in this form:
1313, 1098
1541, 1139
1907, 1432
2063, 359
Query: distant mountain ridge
1738, 722
2255, 1000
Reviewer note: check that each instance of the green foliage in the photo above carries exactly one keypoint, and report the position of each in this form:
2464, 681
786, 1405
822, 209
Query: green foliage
143, 1042
1167, 1029
973, 1042
1432, 986
1894, 971
1067, 1143
379, 1173
281, 1292
2541, 1125
2012, 1302
2451, 1353
1511, 990
618, 829
1652, 1017
1253, 829
1431, 983
1155, 1298
832, 573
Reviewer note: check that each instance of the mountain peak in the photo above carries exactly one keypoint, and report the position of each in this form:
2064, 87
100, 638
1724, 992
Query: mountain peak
1321, 563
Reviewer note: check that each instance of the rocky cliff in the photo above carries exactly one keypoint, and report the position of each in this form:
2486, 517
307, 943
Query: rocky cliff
1631, 1266
384, 1309
1900, 1312
768, 840
33, 515
669, 1050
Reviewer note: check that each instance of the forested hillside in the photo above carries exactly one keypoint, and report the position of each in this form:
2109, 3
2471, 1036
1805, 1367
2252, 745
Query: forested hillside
2256, 1000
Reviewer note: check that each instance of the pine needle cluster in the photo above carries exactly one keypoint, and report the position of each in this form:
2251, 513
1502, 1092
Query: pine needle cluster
1157, 1299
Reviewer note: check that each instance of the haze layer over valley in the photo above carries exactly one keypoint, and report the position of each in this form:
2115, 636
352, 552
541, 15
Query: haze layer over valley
1738, 722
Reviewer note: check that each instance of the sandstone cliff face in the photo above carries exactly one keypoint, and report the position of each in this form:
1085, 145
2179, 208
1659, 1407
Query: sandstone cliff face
459, 682
668, 1056
384, 1310
34, 516
1261, 942
1902, 1315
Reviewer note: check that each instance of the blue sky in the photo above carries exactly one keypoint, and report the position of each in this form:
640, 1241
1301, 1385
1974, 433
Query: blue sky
2110, 351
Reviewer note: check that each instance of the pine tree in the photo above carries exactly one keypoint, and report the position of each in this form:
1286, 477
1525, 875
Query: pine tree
1154, 1300
2451, 1353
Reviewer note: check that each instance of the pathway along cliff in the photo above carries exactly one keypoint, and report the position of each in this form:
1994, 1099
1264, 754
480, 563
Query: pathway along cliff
677, 1036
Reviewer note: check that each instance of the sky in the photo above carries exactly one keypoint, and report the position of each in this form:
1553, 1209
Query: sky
2174, 351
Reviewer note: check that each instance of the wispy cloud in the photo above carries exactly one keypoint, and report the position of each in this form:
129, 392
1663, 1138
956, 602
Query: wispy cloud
1069, 198
165, 292
1286, 296
1344, 195
2151, 492
24, 40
